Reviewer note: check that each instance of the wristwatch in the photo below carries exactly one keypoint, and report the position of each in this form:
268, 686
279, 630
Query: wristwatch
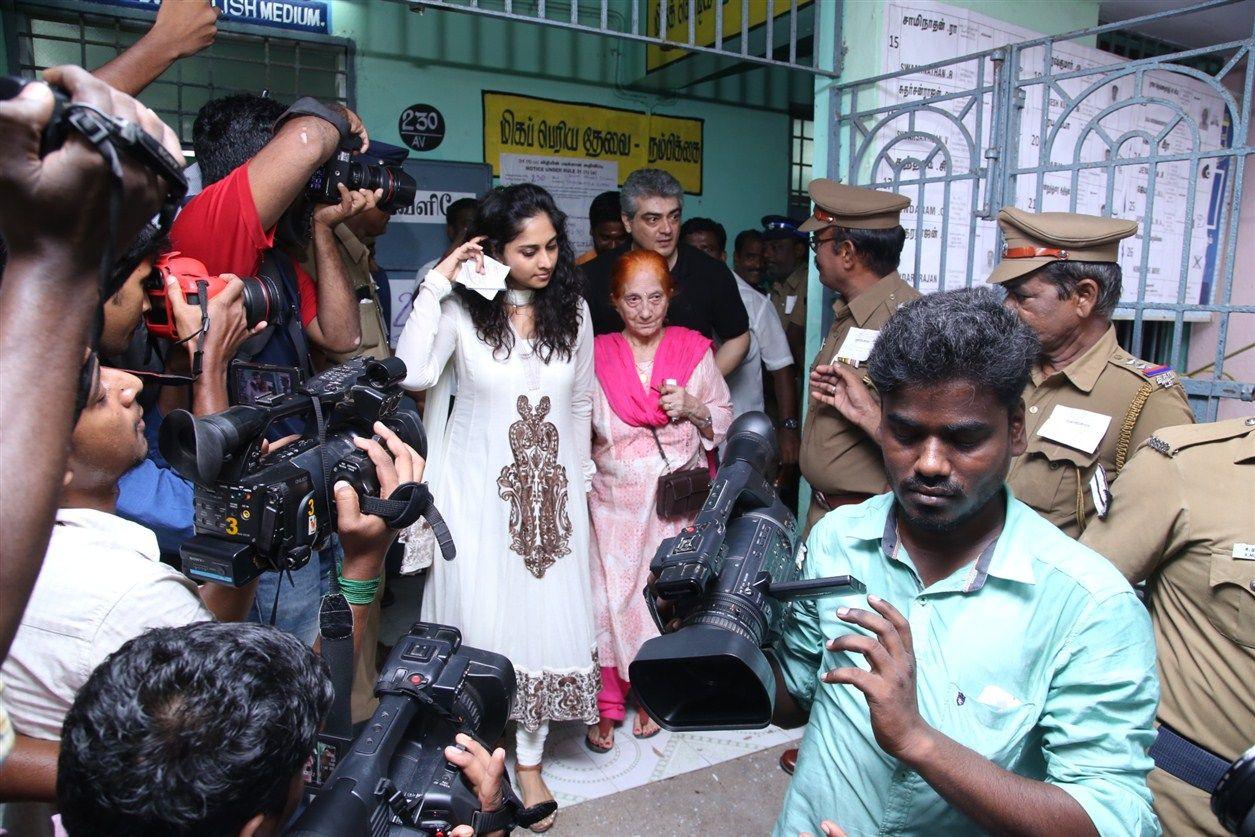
789, 424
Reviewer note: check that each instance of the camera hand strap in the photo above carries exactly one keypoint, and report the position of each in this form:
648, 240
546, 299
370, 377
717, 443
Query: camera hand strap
335, 626
409, 502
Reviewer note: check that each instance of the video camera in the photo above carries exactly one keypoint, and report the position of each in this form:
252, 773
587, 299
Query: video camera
398, 187
262, 295
256, 511
1233, 799
729, 575
394, 779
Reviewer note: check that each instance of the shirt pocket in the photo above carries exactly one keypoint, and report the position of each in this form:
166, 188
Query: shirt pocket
1048, 480
1232, 600
991, 720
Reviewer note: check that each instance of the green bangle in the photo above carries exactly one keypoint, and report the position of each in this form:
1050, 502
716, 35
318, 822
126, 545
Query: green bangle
358, 592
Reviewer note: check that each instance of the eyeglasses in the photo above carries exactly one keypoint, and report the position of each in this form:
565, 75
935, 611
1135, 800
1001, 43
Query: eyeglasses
816, 242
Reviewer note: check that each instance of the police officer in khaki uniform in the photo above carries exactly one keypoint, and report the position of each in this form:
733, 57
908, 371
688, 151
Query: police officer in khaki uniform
857, 239
785, 269
1089, 403
1182, 518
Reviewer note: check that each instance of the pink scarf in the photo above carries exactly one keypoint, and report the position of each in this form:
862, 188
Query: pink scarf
677, 356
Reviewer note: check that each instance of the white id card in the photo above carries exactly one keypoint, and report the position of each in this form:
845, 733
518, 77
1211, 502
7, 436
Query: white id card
1074, 427
790, 302
857, 346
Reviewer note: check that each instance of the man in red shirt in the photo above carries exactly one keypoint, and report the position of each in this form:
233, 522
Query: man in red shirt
256, 159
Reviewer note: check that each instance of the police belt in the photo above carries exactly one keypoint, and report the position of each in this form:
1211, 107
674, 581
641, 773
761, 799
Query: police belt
1174, 753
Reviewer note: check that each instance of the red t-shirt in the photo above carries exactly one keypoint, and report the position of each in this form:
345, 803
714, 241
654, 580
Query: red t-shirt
221, 228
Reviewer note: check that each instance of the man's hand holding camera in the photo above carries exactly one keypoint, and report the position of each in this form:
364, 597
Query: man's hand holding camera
35, 218
352, 203
365, 538
485, 772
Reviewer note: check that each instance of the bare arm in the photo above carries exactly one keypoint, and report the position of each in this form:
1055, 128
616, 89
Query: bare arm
731, 353
784, 381
337, 327
182, 29
54, 261
29, 774
280, 171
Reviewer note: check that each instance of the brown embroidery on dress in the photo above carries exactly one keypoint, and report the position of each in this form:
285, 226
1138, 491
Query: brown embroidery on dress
556, 696
535, 486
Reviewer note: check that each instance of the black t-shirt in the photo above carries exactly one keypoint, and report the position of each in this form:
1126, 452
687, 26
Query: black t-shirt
706, 297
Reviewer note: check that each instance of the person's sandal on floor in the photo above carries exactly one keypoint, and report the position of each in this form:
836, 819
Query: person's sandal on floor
604, 732
543, 793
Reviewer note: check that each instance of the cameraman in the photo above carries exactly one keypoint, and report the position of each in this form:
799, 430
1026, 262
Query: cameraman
54, 218
256, 159
136, 762
102, 583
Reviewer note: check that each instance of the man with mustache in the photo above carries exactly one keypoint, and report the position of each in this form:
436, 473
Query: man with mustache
997, 676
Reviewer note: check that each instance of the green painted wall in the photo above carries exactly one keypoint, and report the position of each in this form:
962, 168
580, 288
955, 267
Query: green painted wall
446, 59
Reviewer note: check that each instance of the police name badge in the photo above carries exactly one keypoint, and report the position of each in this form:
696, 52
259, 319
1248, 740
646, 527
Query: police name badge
790, 302
1074, 427
1244, 551
857, 346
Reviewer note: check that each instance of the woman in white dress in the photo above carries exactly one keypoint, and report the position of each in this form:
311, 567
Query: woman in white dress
509, 468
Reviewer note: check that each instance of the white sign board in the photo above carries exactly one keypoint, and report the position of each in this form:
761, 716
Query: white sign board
921, 32
573, 182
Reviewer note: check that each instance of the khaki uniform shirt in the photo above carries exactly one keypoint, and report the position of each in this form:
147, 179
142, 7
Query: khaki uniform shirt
1183, 516
356, 258
837, 457
1053, 477
789, 298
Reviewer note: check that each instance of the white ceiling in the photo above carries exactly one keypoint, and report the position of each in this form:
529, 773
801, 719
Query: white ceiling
1226, 23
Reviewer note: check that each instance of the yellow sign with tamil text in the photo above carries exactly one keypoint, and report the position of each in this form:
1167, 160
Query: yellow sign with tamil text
515, 124
704, 26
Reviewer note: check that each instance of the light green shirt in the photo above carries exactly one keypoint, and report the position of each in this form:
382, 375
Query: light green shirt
1038, 656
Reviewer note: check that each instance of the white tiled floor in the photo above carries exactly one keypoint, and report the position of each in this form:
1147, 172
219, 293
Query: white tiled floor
576, 774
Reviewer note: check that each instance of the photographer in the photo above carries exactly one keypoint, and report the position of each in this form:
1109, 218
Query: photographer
135, 763
151, 493
256, 159
102, 583
54, 218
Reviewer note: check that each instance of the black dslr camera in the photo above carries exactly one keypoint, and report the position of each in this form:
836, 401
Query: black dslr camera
394, 779
729, 575
398, 187
256, 511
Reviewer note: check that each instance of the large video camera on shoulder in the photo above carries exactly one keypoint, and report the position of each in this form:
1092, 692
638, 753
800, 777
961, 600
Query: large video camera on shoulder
394, 779
256, 509
729, 577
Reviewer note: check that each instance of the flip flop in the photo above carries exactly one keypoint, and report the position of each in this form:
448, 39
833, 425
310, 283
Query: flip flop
642, 737
597, 748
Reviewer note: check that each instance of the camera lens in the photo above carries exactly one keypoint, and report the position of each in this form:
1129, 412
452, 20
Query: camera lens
399, 190
261, 299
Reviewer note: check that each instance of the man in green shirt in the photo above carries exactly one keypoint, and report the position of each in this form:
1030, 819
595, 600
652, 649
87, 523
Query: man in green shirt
999, 677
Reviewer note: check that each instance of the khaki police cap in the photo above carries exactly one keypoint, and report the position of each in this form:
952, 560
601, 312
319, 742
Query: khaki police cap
1032, 240
853, 207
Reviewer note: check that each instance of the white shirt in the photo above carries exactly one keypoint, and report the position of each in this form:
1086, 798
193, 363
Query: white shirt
100, 585
768, 347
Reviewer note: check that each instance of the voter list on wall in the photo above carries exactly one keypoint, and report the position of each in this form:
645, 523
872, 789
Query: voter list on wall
921, 33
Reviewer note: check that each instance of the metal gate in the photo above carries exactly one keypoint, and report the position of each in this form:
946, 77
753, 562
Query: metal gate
1050, 124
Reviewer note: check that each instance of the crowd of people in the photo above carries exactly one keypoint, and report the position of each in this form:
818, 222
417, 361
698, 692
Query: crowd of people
988, 461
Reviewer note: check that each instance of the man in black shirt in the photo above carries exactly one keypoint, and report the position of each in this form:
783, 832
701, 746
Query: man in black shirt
706, 298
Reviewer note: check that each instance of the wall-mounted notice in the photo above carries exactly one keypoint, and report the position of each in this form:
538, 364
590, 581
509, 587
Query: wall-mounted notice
1181, 114
572, 182
535, 127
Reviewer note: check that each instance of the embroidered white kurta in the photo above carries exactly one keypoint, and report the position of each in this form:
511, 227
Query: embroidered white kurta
509, 475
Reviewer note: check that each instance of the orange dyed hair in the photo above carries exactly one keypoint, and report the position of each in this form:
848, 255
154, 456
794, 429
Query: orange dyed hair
635, 262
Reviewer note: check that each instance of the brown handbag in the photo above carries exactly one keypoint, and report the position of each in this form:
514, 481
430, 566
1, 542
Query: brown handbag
680, 493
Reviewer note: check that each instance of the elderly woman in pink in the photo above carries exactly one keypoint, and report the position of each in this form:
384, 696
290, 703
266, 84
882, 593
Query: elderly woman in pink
661, 406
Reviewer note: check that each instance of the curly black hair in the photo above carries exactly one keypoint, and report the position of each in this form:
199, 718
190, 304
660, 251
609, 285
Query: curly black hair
502, 213
190, 731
